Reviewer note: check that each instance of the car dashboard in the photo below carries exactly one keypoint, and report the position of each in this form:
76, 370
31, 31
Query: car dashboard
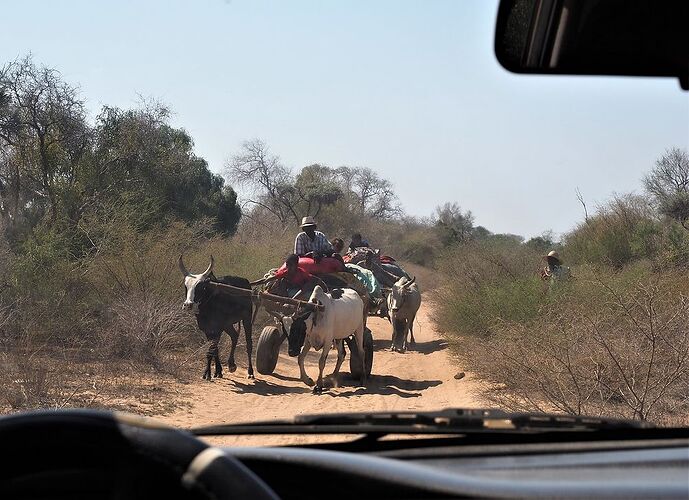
634, 469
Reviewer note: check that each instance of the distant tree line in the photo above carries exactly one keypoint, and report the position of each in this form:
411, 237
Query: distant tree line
65, 174
60, 171
346, 199
277, 194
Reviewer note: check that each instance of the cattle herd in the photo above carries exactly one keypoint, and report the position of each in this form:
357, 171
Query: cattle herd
329, 318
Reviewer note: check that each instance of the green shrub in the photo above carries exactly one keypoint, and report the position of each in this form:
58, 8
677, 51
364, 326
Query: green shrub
418, 247
488, 282
624, 230
47, 288
577, 347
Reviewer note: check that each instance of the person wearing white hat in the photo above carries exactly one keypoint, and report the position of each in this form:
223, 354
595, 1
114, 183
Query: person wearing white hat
311, 242
554, 271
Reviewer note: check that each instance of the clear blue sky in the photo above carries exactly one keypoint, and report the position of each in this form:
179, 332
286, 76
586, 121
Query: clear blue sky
409, 88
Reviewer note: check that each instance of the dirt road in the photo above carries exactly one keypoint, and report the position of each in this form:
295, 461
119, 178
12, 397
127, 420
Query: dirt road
421, 379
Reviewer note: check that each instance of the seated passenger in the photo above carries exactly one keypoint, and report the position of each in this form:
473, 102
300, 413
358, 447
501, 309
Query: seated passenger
311, 242
338, 245
357, 242
292, 280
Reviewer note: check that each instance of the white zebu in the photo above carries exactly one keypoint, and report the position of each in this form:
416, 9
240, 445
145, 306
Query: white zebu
404, 301
340, 318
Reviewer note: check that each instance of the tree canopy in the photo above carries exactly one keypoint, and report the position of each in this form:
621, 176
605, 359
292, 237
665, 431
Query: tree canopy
55, 166
276, 192
668, 184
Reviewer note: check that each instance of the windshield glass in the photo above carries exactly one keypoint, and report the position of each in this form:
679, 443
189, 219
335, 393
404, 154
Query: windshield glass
200, 202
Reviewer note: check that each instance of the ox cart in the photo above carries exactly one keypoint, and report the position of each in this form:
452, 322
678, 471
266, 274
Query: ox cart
384, 273
283, 309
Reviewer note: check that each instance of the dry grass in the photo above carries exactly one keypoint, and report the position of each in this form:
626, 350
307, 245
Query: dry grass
49, 378
622, 351
147, 329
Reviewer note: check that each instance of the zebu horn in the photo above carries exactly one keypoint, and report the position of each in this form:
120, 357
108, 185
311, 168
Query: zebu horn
181, 266
210, 268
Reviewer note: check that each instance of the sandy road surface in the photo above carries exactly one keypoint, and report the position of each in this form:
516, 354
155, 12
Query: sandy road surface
421, 379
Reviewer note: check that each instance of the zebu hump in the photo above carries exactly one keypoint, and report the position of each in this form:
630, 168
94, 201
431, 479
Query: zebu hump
235, 281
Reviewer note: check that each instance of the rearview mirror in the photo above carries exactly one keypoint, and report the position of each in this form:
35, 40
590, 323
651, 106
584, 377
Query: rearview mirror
595, 37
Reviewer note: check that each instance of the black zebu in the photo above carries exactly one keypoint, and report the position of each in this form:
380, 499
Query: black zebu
218, 312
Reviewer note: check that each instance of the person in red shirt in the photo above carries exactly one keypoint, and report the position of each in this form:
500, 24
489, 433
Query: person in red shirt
292, 280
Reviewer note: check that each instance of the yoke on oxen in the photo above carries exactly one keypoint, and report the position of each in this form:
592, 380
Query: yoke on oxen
272, 337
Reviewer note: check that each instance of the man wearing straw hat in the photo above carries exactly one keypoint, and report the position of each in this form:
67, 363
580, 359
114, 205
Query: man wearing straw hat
554, 271
311, 242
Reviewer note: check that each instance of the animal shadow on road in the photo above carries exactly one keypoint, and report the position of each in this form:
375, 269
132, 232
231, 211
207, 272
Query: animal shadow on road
421, 347
429, 347
266, 388
384, 385
381, 344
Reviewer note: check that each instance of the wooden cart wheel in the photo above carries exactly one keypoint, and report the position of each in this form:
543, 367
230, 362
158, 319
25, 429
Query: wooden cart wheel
355, 361
268, 350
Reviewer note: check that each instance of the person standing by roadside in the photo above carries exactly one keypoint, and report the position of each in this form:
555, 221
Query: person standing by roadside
554, 271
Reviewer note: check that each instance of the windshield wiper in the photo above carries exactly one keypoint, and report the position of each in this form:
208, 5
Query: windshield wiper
450, 421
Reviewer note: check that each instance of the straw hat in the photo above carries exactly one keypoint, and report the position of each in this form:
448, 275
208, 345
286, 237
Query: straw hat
553, 254
308, 221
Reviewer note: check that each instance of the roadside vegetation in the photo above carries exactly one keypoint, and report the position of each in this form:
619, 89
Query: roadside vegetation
95, 211
93, 214
613, 340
